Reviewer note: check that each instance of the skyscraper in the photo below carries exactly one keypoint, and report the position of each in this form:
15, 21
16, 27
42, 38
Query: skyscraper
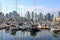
40, 17
32, 15
49, 17
28, 14
59, 13
13, 15
52, 17
1, 17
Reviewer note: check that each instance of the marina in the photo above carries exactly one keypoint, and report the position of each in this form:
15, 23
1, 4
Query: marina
29, 20
29, 31
25, 26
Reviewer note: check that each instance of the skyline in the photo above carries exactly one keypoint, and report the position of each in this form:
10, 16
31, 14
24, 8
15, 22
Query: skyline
43, 6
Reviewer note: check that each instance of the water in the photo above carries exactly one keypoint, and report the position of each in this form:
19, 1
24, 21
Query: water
27, 35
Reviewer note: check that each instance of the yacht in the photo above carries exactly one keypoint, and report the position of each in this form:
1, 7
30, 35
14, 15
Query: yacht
25, 26
35, 27
55, 29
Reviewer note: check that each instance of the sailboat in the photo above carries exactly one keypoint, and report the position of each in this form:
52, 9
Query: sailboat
35, 25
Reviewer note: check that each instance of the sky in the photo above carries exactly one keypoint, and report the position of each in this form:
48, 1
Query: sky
44, 6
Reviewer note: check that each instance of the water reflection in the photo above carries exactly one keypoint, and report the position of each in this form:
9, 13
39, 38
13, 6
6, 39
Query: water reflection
6, 30
29, 35
13, 33
56, 34
33, 33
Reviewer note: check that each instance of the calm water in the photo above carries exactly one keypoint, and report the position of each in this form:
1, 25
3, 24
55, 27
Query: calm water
27, 35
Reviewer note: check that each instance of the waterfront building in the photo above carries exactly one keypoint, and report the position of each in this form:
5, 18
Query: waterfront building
7, 16
49, 17
59, 13
45, 17
57, 20
36, 16
10, 15
28, 14
52, 17
32, 15
1, 17
13, 15
40, 17
16, 15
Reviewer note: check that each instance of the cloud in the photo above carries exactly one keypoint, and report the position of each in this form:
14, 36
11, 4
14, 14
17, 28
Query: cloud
39, 8
28, 8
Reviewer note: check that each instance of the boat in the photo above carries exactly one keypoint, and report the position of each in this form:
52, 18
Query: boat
35, 27
55, 29
44, 26
3, 26
14, 28
24, 27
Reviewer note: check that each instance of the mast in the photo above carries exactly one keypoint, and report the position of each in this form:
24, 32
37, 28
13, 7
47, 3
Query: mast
53, 9
16, 6
21, 15
35, 5
24, 7
35, 12
0, 7
24, 10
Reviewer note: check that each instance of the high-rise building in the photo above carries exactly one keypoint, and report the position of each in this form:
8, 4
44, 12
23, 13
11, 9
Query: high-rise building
28, 14
40, 17
16, 15
1, 16
7, 15
32, 15
59, 13
52, 17
49, 17
46, 18
13, 15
